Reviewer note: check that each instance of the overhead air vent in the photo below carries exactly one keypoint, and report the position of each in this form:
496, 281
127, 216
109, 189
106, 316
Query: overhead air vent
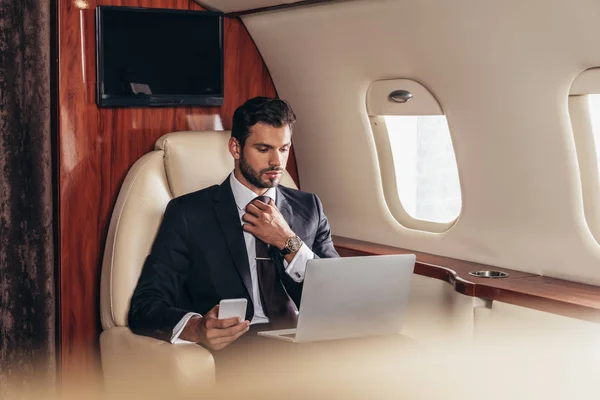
384, 98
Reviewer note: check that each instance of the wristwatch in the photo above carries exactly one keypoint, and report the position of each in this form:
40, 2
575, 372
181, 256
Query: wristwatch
292, 245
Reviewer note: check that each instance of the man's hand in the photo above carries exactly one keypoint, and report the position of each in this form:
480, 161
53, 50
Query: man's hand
214, 333
266, 223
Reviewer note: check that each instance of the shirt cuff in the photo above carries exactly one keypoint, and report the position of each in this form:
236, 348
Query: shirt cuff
180, 326
296, 268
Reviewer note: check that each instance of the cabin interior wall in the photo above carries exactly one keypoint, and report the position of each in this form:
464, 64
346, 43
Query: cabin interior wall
512, 323
501, 72
98, 146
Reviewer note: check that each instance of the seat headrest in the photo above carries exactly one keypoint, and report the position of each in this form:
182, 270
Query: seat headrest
195, 160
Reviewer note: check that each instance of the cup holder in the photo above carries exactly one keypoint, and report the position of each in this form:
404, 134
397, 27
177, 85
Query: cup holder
489, 274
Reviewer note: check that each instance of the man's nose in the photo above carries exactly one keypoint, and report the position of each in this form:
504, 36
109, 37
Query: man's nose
276, 159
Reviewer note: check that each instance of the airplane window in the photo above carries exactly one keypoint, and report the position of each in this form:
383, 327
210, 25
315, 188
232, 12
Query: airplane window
425, 167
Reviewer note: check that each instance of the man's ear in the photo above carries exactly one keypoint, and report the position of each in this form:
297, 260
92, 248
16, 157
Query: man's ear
234, 148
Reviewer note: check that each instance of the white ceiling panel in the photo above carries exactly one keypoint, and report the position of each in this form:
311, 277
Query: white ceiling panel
241, 5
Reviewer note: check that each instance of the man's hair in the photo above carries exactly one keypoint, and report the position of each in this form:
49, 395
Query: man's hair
272, 112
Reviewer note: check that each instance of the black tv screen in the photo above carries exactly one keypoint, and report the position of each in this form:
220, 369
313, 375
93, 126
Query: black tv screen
158, 57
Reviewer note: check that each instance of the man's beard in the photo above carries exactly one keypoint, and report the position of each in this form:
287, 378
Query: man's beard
253, 177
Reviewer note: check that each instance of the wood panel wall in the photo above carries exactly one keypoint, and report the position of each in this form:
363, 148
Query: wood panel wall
98, 146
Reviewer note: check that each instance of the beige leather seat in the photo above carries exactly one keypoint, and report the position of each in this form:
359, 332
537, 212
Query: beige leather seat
182, 162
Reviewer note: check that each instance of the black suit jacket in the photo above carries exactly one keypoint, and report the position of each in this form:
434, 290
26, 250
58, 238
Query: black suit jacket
199, 256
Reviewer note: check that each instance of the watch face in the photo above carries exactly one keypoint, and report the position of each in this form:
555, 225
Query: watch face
294, 244
297, 243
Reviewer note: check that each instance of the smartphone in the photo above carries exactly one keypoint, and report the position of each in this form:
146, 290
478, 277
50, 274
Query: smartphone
230, 308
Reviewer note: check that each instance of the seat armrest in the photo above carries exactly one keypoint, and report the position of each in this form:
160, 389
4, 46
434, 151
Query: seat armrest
138, 364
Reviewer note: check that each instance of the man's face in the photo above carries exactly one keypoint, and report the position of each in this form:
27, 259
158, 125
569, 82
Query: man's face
265, 154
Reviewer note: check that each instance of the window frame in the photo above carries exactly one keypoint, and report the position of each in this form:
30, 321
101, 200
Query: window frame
587, 159
379, 104
390, 186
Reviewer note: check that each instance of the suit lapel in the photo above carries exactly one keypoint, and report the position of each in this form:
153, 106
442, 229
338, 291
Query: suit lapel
227, 214
292, 288
284, 208
288, 214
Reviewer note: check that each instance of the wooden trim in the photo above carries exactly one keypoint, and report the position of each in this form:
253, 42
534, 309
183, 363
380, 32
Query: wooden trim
97, 146
556, 296
279, 7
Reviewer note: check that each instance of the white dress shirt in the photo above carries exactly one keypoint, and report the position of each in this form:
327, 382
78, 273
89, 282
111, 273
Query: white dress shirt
295, 269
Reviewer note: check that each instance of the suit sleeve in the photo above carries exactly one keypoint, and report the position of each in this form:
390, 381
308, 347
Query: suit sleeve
322, 248
323, 245
153, 310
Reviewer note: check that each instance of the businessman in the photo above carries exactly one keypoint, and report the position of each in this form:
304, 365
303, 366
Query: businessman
248, 237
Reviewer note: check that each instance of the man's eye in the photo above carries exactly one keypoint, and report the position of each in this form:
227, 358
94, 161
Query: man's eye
263, 149
285, 150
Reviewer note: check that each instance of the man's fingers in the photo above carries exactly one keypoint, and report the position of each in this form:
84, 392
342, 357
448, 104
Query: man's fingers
228, 322
219, 333
213, 312
214, 323
222, 343
230, 338
232, 330
249, 228
259, 204
252, 209
250, 218
256, 212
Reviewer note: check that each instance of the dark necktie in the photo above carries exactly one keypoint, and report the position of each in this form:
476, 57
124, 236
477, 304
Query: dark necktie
277, 305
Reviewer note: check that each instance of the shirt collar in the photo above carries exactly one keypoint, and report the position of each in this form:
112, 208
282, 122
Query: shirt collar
243, 195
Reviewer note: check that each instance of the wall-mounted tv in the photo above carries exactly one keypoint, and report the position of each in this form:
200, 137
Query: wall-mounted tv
158, 57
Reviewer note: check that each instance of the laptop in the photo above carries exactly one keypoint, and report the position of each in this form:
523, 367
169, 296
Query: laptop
351, 297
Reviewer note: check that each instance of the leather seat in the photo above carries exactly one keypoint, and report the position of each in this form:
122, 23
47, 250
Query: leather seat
182, 162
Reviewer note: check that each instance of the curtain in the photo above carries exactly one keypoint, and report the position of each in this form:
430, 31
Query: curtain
27, 306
